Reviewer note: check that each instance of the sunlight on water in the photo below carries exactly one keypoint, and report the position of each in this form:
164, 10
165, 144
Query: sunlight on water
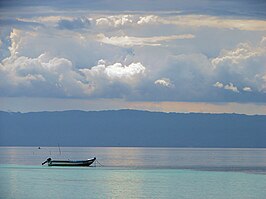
134, 173
49, 182
193, 158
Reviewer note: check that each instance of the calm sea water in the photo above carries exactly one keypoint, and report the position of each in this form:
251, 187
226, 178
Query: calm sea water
134, 173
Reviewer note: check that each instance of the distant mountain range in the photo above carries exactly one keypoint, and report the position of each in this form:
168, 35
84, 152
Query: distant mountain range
131, 128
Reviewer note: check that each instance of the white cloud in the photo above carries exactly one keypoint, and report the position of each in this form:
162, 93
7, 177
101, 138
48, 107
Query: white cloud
49, 21
51, 75
115, 80
115, 21
60, 78
231, 87
31, 75
140, 41
263, 40
218, 85
79, 47
116, 71
247, 89
150, 19
132, 66
244, 64
46, 75
205, 21
243, 52
15, 41
165, 82
182, 21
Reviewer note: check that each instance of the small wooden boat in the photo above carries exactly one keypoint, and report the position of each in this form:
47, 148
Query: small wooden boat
71, 163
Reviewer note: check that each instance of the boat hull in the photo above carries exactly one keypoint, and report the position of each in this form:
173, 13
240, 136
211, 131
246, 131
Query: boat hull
82, 163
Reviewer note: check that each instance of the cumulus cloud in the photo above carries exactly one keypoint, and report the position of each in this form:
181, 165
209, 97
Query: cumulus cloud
150, 19
243, 52
140, 41
57, 76
114, 80
46, 75
218, 85
137, 57
165, 82
247, 89
34, 75
116, 71
231, 87
15, 37
115, 21
245, 64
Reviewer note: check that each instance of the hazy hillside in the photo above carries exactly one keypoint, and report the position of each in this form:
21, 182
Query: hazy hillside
131, 128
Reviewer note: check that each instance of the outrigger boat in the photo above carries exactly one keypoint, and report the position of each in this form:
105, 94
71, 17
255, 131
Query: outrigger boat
78, 163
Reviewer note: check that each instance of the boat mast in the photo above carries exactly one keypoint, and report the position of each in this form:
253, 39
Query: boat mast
59, 149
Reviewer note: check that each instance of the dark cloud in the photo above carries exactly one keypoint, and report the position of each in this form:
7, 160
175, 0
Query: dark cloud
77, 23
174, 71
250, 8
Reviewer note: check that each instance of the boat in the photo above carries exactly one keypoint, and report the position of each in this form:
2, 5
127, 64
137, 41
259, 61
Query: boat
71, 163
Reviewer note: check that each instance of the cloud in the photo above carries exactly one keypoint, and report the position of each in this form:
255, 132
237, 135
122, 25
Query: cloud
48, 21
54, 76
244, 64
243, 52
114, 72
149, 19
114, 80
58, 77
218, 85
165, 82
140, 41
188, 20
205, 21
140, 20
41, 76
115, 21
15, 37
188, 76
263, 40
75, 23
220, 8
119, 71
50, 76
231, 87
139, 53
19, 23
79, 47
247, 89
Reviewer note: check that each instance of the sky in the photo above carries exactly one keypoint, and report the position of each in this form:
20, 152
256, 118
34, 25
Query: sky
171, 55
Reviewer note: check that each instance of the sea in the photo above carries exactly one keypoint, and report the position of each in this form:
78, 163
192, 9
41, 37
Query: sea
125, 172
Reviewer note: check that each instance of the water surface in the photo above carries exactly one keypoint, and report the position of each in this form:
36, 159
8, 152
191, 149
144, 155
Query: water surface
134, 173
